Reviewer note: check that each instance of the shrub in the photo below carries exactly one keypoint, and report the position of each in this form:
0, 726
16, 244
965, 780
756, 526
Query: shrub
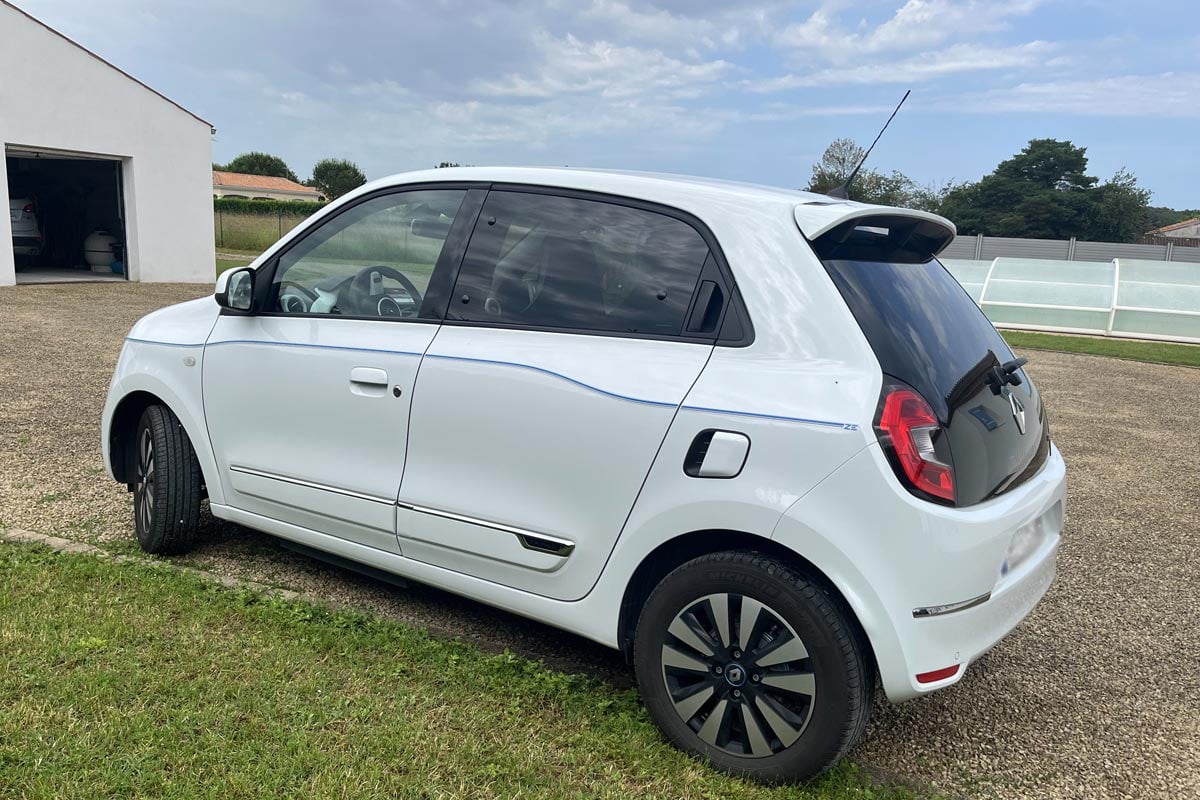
291, 208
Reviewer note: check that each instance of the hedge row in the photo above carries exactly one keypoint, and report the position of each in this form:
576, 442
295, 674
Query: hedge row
236, 205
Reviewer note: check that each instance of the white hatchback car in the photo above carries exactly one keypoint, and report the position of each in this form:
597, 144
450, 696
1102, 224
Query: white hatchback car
27, 237
759, 440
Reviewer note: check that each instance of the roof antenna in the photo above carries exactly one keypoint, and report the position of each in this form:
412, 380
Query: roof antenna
843, 192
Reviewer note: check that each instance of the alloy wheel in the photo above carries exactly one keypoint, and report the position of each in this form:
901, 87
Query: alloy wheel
144, 487
738, 675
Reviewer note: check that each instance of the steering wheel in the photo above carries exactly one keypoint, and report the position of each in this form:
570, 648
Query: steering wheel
358, 294
294, 298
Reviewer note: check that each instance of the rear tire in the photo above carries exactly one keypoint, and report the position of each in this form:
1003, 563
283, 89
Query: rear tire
166, 484
780, 701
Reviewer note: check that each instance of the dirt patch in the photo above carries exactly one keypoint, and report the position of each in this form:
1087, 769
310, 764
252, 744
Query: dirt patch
1097, 695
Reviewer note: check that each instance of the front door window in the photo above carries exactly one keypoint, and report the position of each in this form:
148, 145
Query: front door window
372, 260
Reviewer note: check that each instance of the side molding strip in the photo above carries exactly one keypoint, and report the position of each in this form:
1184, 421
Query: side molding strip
530, 540
258, 473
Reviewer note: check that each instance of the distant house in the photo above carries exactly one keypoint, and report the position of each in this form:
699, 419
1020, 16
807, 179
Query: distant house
1187, 229
260, 187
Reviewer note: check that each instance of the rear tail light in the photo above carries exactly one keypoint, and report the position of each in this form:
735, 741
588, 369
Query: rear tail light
910, 433
28, 209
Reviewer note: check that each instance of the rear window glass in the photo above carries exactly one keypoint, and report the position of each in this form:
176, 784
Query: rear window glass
924, 328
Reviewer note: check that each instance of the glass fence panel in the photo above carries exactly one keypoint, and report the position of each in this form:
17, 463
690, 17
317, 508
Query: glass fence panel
1082, 292
1157, 323
1075, 319
1159, 271
971, 274
1043, 282
1159, 285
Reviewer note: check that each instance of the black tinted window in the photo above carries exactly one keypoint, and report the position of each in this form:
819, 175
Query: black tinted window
926, 331
557, 262
923, 327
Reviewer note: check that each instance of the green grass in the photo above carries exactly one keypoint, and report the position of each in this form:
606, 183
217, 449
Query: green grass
137, 680
1137, 350
231, 263
257, 232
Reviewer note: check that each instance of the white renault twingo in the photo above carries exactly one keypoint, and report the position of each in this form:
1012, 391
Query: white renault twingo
760, 440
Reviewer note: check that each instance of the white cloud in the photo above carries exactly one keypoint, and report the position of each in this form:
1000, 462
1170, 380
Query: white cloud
1169, 95
723, 25
924, 67
915, 25
653, 24
568, 65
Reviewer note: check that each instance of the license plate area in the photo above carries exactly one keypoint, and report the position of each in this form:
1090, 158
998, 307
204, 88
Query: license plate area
1029, 538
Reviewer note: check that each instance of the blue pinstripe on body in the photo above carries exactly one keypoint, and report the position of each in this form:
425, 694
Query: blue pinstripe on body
845, 426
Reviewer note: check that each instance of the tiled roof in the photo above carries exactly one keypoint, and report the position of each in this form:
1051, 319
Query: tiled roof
239, 180
1187, 223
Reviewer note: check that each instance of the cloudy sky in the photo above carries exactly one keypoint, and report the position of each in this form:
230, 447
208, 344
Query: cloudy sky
747, 90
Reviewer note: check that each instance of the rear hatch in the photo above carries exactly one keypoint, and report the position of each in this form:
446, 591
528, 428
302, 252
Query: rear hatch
990, 433
21, 215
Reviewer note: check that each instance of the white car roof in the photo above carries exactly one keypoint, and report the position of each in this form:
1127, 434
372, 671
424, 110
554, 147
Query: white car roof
815, 213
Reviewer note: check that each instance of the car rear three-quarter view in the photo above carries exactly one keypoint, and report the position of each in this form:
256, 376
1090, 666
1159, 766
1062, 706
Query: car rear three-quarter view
759, 440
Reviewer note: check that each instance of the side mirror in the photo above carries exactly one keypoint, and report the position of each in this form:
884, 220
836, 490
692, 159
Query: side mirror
235, 290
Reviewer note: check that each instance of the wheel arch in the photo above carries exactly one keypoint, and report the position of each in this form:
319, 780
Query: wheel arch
122, 427
121, 430
662, 560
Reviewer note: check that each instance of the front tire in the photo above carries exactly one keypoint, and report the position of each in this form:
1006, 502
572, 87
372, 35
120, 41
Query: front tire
745, 661
167, 484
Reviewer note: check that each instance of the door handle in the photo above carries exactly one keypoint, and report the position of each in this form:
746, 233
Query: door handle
368, 376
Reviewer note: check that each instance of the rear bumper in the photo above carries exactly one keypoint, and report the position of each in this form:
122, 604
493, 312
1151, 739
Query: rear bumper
960, 637
26, 245
891, 555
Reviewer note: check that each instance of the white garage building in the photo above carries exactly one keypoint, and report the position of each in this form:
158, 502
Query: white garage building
89, 148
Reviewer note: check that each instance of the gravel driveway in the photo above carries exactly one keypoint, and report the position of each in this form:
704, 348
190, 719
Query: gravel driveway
1096, 695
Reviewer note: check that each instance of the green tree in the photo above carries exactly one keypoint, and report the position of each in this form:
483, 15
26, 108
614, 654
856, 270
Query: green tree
445, 164
1048, 164
1044, 192
1161, 216
255, 163
870, 185
931, 196
1119, 213
836, 164
333, 177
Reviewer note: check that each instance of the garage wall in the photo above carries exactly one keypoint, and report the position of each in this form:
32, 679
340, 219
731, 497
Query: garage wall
57, 96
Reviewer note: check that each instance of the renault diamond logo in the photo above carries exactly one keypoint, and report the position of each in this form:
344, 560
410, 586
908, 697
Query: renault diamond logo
1018, 412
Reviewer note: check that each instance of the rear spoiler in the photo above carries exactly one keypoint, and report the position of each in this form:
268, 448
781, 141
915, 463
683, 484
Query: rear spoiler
873, 233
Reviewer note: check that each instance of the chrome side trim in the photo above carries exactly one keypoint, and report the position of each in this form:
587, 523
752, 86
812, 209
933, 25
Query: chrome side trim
949, 608
258, 473
530, 540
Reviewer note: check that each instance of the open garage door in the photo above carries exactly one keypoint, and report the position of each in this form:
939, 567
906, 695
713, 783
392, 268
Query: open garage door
68, 216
